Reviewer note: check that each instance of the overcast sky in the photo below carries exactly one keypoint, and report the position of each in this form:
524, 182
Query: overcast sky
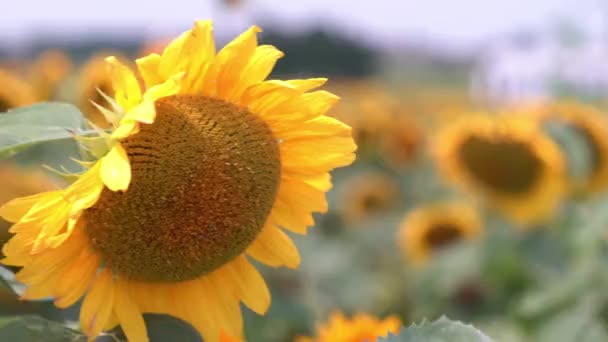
456, 20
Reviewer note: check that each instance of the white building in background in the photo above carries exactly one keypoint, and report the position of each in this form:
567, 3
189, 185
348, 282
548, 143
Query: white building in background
532, 68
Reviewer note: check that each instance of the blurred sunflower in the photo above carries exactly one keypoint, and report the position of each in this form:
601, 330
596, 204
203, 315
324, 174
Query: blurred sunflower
93, 80
204, 169
30, 182
360, 328
402, 142
367, 108
507, 160
365, 195
47, 72
593, 128
427, 229
14, 92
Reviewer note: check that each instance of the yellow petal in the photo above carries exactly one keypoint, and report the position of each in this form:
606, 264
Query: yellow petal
51, 226
76, 279
298, 194
116, 169
126, 87
189, 302
51, 260
17, 208
229, 63
308, 84
97, 304
249, 284
291, 218
259, 67
125, 129
149, 69
87, 184
300, 158
223, 304
129, 314
191, 53
319, 127
145, 112
274, 248
304, 107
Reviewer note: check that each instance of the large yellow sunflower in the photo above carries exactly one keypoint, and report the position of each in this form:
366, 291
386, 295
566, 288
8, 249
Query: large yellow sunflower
507, 161
429, 228
360, 328
593, 127
14, 92
204, 171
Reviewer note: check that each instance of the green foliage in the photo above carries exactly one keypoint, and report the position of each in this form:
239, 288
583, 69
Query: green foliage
442, 330
23, 128
36, 328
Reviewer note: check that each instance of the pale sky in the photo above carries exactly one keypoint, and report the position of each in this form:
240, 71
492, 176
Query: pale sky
447, 20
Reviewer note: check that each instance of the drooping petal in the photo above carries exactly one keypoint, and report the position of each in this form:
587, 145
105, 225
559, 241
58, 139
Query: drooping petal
249, 284
97, 305
76, 279
274, 248
116, 169
128, 313
127, 92
17, 208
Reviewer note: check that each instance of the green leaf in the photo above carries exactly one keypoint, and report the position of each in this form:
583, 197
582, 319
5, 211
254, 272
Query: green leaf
44, 114
25, 127
36, 328
442, 330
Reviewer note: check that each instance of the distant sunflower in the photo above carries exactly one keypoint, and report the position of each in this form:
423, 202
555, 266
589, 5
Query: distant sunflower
204, 170
506, 160
93, 80
402, 142
429, 228
47, 72
14, 92
593, 127
365, 195
367, 108
360, 328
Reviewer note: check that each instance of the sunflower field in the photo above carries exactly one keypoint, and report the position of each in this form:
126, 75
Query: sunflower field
193, 192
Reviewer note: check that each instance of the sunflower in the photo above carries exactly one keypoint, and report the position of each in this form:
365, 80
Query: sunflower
402, 142
367, 108
14, 92
47, 72
427, 229
506, 160
204, 170
593, 128
360, 328
365, 195
93, 80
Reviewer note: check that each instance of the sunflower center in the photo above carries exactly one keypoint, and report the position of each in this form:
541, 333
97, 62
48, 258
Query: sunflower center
442, 234
597, 159
204, 179
505, 166
4, 106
